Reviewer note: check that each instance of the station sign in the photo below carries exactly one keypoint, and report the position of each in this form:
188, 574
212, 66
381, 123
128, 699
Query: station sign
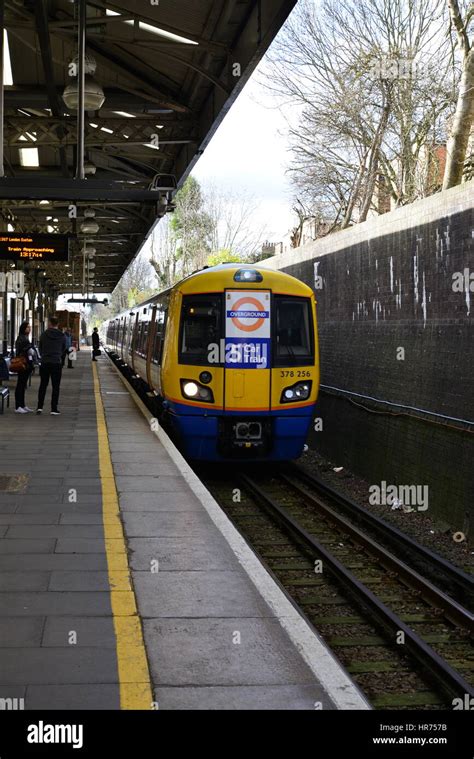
247, 329
24, 247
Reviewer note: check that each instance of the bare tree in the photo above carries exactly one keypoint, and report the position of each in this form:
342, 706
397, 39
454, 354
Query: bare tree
235, 221
211, 223
135, 285
464, 114
164, 258
370, 83
191, 227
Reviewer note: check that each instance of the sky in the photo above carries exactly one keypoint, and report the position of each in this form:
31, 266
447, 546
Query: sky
248, 153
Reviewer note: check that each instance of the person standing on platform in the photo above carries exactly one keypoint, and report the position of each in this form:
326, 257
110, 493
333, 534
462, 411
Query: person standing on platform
95, 344
23, 349
68, 337
52, 345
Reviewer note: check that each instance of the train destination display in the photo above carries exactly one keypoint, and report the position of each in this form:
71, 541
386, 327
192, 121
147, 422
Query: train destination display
24, 247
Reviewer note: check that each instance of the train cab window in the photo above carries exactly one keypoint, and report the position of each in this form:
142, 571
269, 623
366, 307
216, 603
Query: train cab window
200, 326
294, 340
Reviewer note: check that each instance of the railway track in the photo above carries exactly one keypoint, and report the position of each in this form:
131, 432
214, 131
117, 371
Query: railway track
454, 580
404, 640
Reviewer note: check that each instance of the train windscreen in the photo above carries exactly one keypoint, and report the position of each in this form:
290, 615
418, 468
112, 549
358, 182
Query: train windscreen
293, 330
200, 327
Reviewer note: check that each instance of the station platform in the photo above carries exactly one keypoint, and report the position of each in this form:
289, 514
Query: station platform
122, 582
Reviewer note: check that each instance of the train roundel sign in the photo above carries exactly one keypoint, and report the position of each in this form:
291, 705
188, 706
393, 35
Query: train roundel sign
247, 329
241, 311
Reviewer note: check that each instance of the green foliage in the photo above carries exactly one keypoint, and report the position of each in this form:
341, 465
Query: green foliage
190, 226
132, 296
224, 256
137, 295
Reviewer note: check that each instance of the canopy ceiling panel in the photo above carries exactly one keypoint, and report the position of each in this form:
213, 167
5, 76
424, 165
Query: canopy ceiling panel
168, 74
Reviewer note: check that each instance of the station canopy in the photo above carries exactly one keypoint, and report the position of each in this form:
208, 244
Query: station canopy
167, 71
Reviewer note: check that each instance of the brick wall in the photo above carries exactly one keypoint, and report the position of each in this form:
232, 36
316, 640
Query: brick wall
393, 328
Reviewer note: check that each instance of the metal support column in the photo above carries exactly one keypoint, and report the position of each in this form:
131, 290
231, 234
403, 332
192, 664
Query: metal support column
4, 319
2, 76
81, 46
4, 296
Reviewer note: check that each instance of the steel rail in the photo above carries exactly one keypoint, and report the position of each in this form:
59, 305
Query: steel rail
447, 678
457, 576
451, 608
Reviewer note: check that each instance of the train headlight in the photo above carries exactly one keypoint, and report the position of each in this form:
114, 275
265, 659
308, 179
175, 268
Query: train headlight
299, 392
190, 389
248, 275
196, 392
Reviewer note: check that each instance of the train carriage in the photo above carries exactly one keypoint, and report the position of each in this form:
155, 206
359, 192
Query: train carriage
230, 355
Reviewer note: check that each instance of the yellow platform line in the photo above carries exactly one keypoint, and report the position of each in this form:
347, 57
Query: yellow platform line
134, 675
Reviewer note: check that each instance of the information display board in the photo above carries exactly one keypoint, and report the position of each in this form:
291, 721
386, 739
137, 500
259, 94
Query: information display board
23, 247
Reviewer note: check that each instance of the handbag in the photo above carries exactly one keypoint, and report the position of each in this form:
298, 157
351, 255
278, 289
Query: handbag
18, 364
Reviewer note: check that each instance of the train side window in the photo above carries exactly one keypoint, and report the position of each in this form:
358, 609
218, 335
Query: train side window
144, 338
141, 338
130, 334
293, 331
201, 320
124, 333
160, 326
156, 351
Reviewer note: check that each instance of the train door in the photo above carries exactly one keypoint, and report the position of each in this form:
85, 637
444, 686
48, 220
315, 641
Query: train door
122, 339
247, 374
151, 346
128, 350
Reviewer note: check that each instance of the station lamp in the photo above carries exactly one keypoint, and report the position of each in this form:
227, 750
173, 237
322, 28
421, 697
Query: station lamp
89, 227
89, 168
94, 97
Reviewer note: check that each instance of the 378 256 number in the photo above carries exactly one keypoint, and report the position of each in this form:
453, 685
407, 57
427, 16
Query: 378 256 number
292, 373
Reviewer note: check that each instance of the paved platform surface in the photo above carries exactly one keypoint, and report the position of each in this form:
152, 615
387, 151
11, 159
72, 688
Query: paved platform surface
211, 640
53, 567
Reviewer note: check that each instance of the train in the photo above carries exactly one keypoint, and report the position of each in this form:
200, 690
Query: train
229, 359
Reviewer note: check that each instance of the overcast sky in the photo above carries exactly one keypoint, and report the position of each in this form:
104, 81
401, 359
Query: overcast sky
249, 153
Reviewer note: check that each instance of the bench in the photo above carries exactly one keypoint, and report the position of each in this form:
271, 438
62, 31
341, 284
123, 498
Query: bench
4, 396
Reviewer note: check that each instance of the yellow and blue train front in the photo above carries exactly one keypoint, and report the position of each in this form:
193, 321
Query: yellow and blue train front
248, 378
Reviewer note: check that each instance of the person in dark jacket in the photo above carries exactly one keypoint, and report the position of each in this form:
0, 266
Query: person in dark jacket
52, 345
24, 348
95, 343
